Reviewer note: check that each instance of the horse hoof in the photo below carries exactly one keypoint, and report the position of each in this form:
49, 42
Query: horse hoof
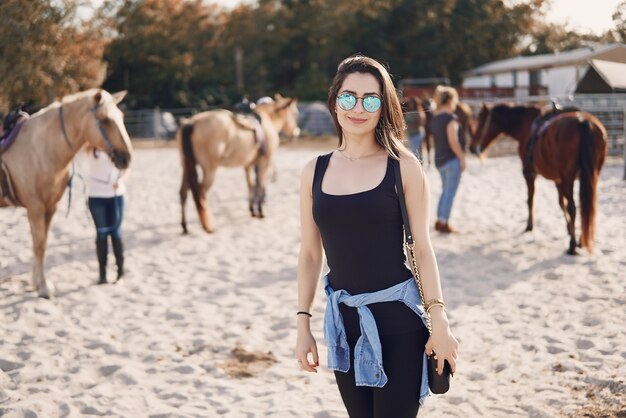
47, 292
572, 251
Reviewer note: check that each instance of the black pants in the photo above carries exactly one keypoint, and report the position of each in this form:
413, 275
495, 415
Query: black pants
399, 398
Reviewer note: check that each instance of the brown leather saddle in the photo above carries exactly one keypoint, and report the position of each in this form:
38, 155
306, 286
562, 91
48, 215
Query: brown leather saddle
12, 124
252, 123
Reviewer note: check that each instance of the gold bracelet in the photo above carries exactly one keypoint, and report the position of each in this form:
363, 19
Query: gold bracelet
433, 302
432, 305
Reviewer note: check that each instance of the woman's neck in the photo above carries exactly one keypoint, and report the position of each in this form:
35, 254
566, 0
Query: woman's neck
357, 147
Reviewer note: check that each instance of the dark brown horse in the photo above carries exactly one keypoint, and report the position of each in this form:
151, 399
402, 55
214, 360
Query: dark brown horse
463, 113
567, 146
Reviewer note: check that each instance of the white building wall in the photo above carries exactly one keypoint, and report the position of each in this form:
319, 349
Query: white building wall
560, 80
504, 80
472, 82
523, 79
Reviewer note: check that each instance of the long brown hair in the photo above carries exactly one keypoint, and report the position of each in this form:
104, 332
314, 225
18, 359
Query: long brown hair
391, 127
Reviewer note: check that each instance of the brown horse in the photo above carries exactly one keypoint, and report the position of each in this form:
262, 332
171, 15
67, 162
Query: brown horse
463, 113
38, 163
216, 138
569, 145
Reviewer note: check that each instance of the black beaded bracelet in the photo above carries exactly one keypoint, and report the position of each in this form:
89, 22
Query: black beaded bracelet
304, 313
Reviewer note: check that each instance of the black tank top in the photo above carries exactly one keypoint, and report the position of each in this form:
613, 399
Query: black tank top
363, 240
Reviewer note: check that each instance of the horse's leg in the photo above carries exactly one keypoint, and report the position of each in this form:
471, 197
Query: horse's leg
530, 177
184, 189
262, 173
562, 200
206, 216
570, 214
39, 220
251, 186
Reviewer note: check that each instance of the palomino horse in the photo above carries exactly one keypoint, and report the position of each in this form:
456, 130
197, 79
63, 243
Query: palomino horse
568, 145
463, 113
39, 160
214, 138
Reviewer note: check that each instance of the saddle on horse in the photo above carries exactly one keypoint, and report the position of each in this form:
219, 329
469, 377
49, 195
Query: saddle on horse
12, 124
252, 122
541, 123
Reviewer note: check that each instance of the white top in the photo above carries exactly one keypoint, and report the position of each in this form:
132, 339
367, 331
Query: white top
265, 100
103, 179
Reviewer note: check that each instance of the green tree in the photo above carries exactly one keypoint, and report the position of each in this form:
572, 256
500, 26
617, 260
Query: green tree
619, 17
161, 52
46, 52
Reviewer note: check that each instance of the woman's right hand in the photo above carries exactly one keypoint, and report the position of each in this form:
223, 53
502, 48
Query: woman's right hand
306, 344
463, 165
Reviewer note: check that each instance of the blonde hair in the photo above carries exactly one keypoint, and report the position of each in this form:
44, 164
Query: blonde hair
391, 126
445, 95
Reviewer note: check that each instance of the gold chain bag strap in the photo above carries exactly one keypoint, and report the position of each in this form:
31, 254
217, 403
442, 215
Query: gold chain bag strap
437, 383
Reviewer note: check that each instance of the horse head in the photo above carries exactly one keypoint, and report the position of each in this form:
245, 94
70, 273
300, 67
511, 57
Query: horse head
287, 110
487, 129
106, 130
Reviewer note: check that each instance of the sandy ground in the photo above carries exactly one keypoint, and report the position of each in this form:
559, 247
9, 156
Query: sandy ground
204, 325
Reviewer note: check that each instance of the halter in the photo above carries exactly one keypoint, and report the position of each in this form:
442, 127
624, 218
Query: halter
69, 144
483, 131
100, 128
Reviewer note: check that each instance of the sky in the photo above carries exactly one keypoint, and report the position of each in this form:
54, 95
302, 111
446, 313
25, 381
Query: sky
583, 15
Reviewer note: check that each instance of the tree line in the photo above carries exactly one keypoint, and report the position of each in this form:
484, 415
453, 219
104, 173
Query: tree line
194, 53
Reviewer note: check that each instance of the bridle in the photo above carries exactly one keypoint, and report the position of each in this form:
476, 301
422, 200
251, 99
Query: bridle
483, 131
69, 144
100, 128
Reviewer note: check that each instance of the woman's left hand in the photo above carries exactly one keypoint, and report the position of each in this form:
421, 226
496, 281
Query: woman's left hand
441, 341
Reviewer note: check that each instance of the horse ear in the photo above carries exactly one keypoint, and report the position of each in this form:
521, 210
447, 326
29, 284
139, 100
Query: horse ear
97, 98
277, 96
119, 96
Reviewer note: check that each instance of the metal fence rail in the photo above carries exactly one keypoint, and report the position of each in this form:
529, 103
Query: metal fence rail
314, 120
609, 108
155, 123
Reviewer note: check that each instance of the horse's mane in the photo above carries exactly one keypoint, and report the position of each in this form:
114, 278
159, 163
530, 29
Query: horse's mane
509, 117
79, 95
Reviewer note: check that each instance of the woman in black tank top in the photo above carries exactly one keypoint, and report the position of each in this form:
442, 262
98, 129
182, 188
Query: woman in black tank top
350, 211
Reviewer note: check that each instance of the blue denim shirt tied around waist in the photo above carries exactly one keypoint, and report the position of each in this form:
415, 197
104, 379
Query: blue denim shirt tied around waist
368, 358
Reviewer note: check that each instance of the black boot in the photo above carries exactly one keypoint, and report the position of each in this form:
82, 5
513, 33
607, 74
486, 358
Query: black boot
118, 250
102, 250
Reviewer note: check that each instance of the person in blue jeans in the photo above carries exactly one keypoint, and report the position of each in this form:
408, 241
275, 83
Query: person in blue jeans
350, 212
414, 126
449, 139
105, 188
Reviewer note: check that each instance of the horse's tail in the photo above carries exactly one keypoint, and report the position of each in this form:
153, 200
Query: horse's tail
189, 162
588, 182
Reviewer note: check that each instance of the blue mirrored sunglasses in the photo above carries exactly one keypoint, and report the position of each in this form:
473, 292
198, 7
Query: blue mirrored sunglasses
347, 101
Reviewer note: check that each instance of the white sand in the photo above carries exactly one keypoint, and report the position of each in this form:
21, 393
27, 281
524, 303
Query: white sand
542, 333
